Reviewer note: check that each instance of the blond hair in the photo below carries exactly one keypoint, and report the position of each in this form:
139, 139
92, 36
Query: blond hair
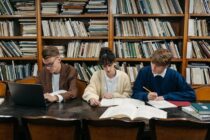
161, 57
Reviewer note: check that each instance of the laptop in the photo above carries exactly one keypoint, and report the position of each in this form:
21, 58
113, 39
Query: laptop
27, 94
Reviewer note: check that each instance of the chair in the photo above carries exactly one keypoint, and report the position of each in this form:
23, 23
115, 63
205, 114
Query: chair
113, 130
81, 85
51, 128
3, 88
203, 94
7, 127
27, 80
178, 129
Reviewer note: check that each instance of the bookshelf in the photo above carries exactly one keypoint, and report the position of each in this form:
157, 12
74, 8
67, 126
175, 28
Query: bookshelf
150, 16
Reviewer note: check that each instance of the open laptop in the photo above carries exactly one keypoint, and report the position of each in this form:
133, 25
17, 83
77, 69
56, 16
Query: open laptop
27, 94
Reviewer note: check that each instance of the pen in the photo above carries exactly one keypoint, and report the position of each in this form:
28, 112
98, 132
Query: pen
146, 89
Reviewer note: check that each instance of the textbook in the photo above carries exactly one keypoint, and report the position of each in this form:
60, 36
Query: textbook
133, 113
201, 108
191, 111
161, 104
119, 101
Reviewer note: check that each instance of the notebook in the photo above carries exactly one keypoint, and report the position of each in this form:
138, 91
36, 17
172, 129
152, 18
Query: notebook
27, 94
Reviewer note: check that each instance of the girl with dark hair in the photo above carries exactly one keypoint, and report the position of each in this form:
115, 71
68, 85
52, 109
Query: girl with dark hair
107, 83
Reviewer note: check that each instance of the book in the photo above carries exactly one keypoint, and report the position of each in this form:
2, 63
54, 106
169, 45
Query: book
189, 110
180, 103
132, 112
120, 101
161, 104
201, 108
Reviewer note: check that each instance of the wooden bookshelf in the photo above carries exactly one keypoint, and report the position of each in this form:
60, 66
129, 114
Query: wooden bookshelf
179, 23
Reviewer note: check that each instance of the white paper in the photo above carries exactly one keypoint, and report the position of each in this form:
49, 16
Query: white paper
120, 101
161, 104
58, 92
1, 100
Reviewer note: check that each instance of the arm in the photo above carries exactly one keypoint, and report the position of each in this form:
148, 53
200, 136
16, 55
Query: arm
124, 87
138, 91
184, 91
91, 89
71, 85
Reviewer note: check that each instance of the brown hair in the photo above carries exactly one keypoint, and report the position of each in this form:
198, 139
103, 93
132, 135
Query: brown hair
106, 56
50, 51
161, 57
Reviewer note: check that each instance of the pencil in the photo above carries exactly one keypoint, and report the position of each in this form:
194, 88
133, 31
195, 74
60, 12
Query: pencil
146, 89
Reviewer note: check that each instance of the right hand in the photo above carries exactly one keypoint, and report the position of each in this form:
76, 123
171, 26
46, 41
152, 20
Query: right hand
152, 95
94, 102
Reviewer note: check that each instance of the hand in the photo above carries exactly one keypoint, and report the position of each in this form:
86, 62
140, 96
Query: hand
159, 98
50, 98
108, 96
94, 102
152, 95
72, 95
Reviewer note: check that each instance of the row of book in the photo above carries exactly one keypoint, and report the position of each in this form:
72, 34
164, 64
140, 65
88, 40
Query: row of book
28, 27
198, 73
199, 7
67, 27
26, 7
198, 49
198, 27
15, 49
75, 7
143, 49
200, 111
146, 7
85, 72
141, 27
7, 28
80, 49
11, 72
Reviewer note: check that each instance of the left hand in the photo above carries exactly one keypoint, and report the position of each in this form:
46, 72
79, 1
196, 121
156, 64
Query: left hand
50, 98
159, 98
108, 96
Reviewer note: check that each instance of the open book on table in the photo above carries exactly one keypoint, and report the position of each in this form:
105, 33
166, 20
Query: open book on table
133, 113
120, 101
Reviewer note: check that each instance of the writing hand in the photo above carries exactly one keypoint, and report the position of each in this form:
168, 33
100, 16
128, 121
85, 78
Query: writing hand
94, 102
159, 98
152, 95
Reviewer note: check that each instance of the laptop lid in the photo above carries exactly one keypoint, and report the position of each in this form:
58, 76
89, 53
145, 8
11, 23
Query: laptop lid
27, 94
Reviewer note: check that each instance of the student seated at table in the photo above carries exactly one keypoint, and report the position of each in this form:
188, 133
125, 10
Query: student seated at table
107, 83
57, 76
159, 82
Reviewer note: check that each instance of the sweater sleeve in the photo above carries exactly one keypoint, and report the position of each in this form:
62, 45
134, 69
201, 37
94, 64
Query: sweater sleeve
184, 91
91, 89
125, 87
138, 91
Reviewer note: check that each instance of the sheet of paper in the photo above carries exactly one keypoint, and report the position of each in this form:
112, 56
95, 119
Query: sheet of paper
161, 104
58, 92
120, 101
1, 100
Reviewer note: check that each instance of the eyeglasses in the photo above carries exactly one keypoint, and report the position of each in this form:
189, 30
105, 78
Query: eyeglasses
50, 64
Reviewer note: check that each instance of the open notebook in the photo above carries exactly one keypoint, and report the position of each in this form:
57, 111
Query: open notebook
133, 113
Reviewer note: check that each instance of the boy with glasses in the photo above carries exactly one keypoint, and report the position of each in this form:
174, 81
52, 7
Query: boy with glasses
57, 77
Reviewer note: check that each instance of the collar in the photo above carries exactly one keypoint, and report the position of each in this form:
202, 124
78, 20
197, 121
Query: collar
161, 74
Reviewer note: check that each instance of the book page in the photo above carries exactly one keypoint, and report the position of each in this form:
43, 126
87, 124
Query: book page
120, 101
148, 112
58, 92
1, 100
161, 104
121, 111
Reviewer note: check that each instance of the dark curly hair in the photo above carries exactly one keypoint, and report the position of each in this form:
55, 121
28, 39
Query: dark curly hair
106, 56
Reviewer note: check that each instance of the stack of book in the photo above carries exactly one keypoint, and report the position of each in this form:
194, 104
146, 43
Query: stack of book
200, 111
